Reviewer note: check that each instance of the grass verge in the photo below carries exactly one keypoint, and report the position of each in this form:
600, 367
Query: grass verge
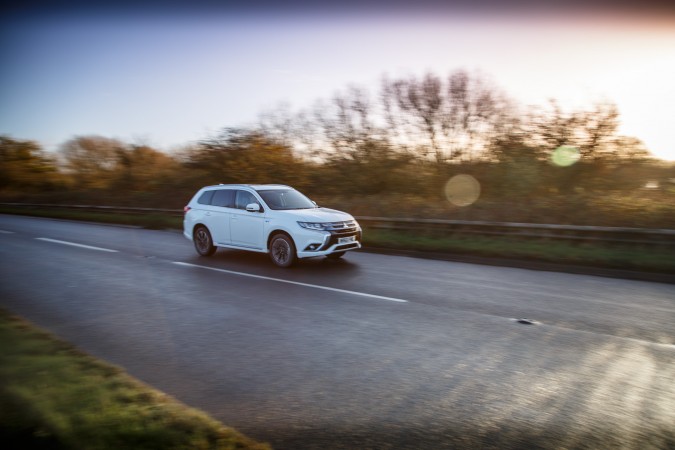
53, 396
583, 253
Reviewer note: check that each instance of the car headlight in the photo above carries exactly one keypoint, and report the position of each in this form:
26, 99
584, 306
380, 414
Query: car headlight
313, 225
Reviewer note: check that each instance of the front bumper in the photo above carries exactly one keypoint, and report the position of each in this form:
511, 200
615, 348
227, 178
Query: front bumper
311, 243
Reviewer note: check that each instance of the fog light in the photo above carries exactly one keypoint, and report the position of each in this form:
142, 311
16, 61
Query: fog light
312, 247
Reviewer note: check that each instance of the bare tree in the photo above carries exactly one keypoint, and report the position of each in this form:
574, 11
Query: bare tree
347, 122
478, 114
419, 102
599, 129
590, 131
460, 119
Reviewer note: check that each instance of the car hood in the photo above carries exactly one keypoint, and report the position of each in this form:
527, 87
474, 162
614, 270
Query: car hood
316, 215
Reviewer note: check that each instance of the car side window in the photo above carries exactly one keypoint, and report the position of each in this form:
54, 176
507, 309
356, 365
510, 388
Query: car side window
224, 198
244, 198
205, 198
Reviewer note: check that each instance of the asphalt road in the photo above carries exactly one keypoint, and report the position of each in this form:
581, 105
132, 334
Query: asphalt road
371, 351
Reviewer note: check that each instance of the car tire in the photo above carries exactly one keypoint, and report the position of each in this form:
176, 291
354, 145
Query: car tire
203, 242
336, 255
282, 251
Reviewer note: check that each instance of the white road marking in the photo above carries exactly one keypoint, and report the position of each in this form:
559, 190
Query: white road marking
297, 283
56, 241
6, 232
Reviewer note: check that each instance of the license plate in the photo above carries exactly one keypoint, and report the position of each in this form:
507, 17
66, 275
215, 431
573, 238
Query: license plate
346, 240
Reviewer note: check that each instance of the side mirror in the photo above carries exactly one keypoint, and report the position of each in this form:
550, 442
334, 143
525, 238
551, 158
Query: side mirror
253, 207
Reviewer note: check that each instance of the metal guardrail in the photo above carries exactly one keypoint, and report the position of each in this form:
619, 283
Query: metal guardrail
95, 208
441, 227
625, 235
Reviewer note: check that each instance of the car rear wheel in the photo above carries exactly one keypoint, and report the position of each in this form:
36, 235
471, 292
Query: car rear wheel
203, 242
282, 251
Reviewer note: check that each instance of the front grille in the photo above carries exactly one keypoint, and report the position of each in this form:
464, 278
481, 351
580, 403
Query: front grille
348, 226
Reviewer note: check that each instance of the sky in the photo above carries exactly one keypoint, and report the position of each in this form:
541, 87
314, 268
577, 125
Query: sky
166, 74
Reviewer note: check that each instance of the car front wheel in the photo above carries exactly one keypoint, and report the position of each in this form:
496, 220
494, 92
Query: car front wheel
282, 251
204, 242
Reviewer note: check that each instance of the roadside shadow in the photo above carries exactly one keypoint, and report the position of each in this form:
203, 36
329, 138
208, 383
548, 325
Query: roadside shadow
240, 260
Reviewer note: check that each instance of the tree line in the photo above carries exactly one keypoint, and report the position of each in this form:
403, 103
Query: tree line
373, 153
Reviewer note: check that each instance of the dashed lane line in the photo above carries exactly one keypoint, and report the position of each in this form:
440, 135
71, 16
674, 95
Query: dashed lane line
297, 283
73, 244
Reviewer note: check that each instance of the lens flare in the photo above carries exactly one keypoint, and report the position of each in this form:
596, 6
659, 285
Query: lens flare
565, 156
462, 190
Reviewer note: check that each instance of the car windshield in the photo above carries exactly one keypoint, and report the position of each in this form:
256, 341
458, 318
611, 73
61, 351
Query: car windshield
286, 199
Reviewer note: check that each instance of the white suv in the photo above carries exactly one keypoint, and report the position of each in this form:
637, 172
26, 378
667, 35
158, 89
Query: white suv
269, 218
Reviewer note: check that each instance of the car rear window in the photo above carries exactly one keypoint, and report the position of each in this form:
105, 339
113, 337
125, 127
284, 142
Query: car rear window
223, 197
205, 198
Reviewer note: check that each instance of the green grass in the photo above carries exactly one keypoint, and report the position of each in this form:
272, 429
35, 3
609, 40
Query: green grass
588, 253
54, 397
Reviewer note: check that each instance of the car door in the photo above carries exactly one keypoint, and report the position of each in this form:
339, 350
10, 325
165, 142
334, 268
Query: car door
218, 220
246, 227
